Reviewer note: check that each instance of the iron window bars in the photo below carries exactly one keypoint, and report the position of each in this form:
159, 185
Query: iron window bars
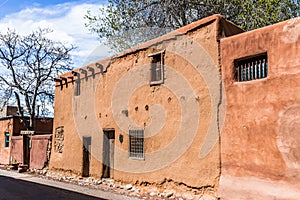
136, 144
251, 68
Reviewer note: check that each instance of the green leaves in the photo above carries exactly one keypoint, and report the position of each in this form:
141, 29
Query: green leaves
118, 22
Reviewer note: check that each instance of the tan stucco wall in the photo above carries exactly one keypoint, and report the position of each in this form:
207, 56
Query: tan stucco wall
6, 125
181, 125
260, 141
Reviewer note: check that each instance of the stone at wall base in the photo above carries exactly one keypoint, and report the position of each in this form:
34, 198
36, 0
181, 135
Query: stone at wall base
22, 168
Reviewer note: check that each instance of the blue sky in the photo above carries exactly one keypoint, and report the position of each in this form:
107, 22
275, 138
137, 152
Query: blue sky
64, 17
10, 6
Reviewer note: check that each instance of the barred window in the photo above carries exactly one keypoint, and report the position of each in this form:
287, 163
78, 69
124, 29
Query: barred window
136, 144
157, 70
251, 68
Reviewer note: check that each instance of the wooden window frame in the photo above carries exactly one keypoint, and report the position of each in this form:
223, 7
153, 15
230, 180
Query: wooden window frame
157, 67
251, 68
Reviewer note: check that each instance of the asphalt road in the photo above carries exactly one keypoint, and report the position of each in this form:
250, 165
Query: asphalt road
18, 186
11, 188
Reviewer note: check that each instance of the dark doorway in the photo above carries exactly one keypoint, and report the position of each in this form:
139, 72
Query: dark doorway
26, 150
86, 155
108, 153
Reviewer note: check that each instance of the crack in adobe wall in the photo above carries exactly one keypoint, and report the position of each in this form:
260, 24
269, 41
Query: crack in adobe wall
168, 184
48, 153
67, 172
218, 110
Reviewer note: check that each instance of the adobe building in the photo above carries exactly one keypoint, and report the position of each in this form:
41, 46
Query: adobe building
260, 145
206, 107
11, 142
150, 115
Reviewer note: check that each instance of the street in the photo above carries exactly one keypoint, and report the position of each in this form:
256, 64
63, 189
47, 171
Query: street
17, 186
11, 188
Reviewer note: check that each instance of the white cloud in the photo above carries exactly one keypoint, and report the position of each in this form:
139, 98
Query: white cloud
67, 22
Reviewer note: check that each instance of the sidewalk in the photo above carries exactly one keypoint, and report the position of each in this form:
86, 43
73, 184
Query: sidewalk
66, 186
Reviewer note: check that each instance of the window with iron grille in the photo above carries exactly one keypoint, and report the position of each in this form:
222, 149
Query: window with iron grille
251, 68
136, 144
157, 70
6, 144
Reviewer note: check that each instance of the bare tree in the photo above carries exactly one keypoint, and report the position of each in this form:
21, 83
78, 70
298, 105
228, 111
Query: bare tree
28, 66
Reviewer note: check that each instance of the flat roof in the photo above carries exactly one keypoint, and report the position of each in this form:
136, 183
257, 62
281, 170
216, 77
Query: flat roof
228, 28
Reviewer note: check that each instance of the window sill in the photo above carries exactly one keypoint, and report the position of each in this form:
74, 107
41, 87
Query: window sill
251, 81
133, 158
155, 83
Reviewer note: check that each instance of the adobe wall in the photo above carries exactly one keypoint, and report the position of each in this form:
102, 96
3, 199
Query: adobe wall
42, 125
260, 140
18, 126
6, 125
16, 152
180, 116
39, 152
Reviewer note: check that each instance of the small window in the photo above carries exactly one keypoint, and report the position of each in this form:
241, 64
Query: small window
6, 145
136, 144
157, 70
251, 68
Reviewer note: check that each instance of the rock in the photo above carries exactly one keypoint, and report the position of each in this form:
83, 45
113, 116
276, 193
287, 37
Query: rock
98, 182
134, 189
169, 194
128, 187
122, 187
207, 197
188, 196
152, 194
110, 181
152, 190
